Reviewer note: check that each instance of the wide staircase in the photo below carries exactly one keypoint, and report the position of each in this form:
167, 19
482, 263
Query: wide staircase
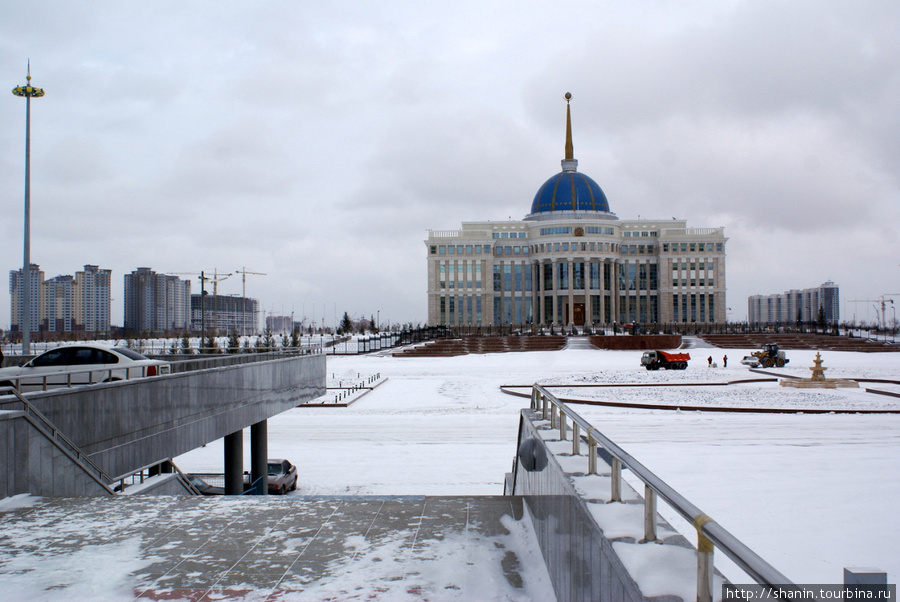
478, 344
820, 342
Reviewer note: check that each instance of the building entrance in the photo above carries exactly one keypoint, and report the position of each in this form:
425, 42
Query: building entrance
577, 314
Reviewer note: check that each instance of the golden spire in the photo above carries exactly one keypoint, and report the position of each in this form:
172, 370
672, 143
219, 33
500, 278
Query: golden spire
569, 163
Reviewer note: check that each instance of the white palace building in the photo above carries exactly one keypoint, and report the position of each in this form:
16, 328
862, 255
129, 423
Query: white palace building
572, 263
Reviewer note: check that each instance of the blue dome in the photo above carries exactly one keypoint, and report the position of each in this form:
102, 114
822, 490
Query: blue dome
569, 191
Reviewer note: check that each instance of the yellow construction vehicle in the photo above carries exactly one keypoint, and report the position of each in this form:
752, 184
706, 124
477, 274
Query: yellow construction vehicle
770, 356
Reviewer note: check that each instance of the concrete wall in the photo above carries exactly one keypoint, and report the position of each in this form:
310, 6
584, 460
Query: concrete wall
129, 425
580, 560
637, 342
33, 463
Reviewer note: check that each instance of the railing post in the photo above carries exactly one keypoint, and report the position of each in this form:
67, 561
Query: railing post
562, 426
705, 566
592, 455
576, 439
615, 493
553, 415
649, 514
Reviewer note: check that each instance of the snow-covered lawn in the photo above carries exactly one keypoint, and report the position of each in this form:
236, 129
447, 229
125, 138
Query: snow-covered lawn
810, 493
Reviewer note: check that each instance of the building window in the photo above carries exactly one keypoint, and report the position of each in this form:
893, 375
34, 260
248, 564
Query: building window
563, 274
578, 275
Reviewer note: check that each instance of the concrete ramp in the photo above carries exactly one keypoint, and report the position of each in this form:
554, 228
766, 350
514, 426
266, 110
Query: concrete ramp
168, 547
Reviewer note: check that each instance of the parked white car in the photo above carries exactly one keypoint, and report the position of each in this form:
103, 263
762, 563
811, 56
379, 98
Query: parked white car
73, 365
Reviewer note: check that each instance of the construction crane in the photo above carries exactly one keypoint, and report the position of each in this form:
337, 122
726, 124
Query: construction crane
244, 271
883, 300
203, 278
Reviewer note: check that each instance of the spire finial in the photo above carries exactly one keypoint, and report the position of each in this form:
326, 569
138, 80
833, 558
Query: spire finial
569, 163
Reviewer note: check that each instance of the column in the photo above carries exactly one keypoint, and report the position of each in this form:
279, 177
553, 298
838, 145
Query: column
588, 302
259, 454
604, 267
571, 316
537, 287
614, 298
234, 463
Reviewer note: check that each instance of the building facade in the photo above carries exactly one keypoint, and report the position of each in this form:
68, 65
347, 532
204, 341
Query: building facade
16, 294
573, 262
57, 305
156, 303
225, 315
64, 304
795, 306
92, 297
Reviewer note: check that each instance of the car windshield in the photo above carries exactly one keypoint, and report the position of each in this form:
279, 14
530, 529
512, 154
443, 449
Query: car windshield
130, 354
276, 468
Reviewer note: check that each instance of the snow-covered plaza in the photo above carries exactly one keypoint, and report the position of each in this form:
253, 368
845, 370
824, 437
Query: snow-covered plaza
810, 493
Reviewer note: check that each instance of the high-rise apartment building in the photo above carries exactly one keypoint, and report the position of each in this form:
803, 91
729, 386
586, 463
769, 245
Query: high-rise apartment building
796, 305
57, 305
156, 303
16, 282
92, 295
64, 304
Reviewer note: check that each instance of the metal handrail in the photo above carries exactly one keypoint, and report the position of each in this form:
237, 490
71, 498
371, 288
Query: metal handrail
111, 374
220, 360
51, 431
710, 534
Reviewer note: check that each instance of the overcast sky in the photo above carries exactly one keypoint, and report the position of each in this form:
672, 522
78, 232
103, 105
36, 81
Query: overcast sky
317, 142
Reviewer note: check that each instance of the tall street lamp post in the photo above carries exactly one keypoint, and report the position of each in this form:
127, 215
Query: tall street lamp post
28, 92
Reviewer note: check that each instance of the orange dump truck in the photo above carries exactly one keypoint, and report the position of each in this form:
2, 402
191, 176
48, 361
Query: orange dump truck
654, 360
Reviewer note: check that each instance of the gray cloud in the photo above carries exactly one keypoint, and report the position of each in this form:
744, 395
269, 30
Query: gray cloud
317, 143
